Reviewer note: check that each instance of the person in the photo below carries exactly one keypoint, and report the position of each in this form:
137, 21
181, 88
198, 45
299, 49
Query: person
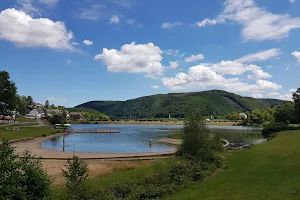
150, 142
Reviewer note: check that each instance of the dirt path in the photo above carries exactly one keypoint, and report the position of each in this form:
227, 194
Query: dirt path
96, 167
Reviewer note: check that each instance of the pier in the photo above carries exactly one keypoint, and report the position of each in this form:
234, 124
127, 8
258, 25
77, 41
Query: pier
94, 131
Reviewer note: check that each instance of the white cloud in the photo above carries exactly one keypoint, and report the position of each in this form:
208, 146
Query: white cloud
170, 25
87, 42
286, 97
258, 23
292, 90
297, 55
172, 52
174, 64
95, 12
257, 95
201, 76
194, 58
124, 3
28, 7
134, 58
232, 67
155, 87
259, 74
271, 94
260, 56
25, 31
75, 43
114, 19
49, 3
292, 1
182, 55
206, 21
58, 99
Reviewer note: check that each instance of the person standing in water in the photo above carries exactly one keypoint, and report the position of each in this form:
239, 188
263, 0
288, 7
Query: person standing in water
150, 142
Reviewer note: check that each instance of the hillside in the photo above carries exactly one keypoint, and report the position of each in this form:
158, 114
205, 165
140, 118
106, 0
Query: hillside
213, 102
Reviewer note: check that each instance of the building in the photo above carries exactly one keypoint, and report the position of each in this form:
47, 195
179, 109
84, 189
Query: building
76, 115
35, 114
52, 112
243, 116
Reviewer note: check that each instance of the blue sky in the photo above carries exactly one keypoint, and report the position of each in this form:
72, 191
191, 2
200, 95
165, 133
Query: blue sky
70, 52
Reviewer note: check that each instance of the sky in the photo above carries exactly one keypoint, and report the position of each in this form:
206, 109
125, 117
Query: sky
71, 52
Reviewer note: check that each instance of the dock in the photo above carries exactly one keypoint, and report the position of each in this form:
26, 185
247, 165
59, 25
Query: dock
95, 131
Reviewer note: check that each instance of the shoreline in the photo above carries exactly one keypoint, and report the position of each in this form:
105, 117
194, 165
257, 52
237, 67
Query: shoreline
155, 122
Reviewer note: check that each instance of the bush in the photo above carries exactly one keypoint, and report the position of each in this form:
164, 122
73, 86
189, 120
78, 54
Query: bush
24, 176
274, 128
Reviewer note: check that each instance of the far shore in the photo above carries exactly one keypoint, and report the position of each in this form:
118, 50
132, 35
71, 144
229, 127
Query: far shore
157, 122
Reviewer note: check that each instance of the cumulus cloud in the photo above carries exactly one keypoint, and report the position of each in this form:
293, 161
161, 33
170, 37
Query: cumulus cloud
170, 25
292, 1
155, 87
75, 43
95, 12
114, 19
174, 64
232, 67
23, 30
259, 74
202, 76
286, 97
87, 42
134, 22
134, 58
260, 56
258, 23
194, 58
297, 55
28, 7
292, 90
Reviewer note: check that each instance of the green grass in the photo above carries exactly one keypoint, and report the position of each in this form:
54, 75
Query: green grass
268, 171
294, 125
23, 132
98, 183
24, 119
175, 135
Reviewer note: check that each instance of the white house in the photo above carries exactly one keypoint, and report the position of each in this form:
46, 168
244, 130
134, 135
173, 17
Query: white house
35, 114
243, 116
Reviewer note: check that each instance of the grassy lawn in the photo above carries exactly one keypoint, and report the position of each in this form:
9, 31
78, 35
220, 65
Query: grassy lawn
23, 132
267, 171
175, 135
24, 119
98, 183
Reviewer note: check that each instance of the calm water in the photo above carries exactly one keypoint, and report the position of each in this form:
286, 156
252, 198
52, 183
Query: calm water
135, 138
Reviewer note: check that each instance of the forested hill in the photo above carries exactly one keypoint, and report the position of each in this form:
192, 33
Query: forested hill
214, 102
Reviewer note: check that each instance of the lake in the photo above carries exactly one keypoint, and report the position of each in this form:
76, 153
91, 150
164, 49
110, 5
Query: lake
134, 138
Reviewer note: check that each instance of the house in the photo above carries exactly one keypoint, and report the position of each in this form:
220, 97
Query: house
35, 114
52, 112
243, 116
76, 115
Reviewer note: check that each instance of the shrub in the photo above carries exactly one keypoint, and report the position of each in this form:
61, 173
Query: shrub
75, 175
274, 128
24, 176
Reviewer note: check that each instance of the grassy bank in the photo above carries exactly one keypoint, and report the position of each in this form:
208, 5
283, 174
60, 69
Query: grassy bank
23, 132
268, 171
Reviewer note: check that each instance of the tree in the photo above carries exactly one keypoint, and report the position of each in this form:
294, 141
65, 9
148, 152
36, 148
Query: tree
47, 104
296, 98
75, 175
21, 177
286, 113
196, 142
8, 94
